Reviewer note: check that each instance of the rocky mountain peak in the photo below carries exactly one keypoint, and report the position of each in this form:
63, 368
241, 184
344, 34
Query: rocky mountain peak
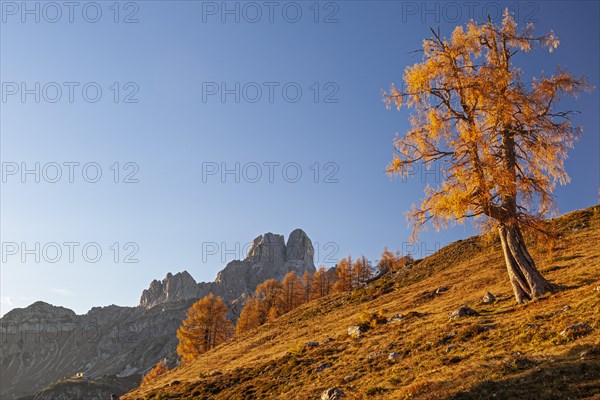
172, 288
299, 247
268, 258
39, 312
267, 248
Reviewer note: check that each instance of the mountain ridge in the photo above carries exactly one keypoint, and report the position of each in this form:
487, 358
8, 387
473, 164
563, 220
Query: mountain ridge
111, 342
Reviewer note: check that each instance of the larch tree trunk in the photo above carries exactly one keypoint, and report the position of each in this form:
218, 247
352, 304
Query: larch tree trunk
527, 282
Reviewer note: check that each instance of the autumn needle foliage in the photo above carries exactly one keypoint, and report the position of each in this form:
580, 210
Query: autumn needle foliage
307, 283
205, 327
159, 369
362, 270
321, 284
292, 292
249, 316
391, 262
270, 301
343, 271
501, 141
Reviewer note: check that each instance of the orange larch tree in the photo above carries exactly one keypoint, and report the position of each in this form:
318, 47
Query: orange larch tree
387, 262
205, 327
343, 270
249, 316
501, 141
292, 292
269, 299
307, 284
362, 270
321, 284
159, 369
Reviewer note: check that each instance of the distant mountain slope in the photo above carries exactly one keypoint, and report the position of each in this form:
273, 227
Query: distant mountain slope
547, 349
100, 388
42, 343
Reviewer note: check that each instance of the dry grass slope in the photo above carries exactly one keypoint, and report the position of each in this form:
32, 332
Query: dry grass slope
508, 351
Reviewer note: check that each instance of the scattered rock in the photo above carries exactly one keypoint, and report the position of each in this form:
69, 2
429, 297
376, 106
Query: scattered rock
328, 340
396, 318
323, 367
332, 394
488, 298
597, 288
311, 345
576, 329
174, 383
356, 331
450, 348
441, 289
393, 356
350, 377
216, 373
464, 311
564, 309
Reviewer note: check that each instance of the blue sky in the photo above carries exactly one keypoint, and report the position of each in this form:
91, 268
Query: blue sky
168, 131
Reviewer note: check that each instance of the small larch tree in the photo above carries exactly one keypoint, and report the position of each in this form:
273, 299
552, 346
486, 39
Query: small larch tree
392, 262
307, 284
292, 292
205, 327
269, 298
343, 271
159, 369
501, 141
249, 316
321, 284
362, 270
387, 262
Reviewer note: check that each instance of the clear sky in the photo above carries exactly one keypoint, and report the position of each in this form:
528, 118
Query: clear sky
308, 101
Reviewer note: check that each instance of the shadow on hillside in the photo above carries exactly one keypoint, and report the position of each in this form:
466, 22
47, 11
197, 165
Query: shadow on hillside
569, 376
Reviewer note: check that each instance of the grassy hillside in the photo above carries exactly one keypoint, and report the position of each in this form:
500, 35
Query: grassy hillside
508, 351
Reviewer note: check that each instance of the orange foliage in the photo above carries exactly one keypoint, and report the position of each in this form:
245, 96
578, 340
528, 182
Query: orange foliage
361, 271
159, 369
501, 141
205, 327
270, 302
292, 292
390, 262
344, 276
249, 317
321, 284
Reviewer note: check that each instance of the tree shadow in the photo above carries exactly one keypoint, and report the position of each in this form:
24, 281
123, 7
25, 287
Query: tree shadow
573, 375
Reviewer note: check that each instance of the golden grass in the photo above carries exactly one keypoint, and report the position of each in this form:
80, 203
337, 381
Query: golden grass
509, 351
